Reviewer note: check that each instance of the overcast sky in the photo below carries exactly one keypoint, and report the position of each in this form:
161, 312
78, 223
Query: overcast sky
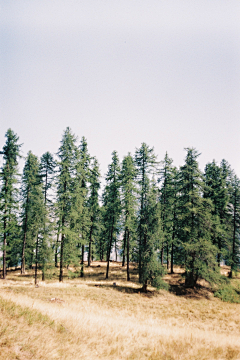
123, 72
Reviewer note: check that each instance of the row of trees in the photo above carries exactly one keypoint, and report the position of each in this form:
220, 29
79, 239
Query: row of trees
153, 213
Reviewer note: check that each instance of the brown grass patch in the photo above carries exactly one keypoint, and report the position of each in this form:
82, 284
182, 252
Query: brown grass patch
95, 319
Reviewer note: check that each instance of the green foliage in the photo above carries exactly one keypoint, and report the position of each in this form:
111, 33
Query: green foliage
111, 205
195, 224
234, 210
66, 198
34, 212
228, 293
9, 201
72, 275
145, 161
216, 189
151, 270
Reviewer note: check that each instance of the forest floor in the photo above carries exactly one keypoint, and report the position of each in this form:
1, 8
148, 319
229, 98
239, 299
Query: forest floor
93, 318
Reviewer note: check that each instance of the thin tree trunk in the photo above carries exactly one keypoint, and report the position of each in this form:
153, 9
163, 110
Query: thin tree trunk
61, 252
5, 232
172, 258
167, 257
128, 274
124, 247
82, 262
36, 263
109, 251
116, 250
90, 245
56, 248
162, 255
4, 243
234, 238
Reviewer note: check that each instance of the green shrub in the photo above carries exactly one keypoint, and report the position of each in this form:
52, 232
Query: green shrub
228, 293
72, 275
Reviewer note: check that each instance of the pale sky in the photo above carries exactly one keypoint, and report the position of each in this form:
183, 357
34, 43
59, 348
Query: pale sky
123, 72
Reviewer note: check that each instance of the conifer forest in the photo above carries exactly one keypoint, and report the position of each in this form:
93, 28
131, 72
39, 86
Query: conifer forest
146, 211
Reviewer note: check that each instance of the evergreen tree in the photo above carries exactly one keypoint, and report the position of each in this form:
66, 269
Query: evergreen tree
167, 195
112, 205
175, 223
145, 161
235, 224
152, 270
8, 197
47, 172
195, 221
65, 186
81, 213
33, 210
129, 200
100, 243
93, 205
216, 189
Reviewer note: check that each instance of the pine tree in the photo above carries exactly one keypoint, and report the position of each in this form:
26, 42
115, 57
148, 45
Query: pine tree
235, 224
175, 207
33, 210
152, 270
129, 200
65, 186
167, 196
145, 161
8, 196
216, 189
82, 221
47, 172
196, 224
93, 205
112, 205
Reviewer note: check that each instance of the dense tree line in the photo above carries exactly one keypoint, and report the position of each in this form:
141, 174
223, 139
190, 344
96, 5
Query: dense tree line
150, 212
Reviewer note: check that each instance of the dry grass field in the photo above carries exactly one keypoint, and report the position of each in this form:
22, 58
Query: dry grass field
93, 318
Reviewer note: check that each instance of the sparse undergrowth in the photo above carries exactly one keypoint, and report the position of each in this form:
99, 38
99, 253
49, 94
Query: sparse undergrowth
97, 319
228, 293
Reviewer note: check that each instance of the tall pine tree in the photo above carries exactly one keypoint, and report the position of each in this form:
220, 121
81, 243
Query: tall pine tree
65, 186
112, 206
196, 224
8, 195
129, 200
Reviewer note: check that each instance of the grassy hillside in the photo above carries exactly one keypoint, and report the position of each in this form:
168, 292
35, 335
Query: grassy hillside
92, 318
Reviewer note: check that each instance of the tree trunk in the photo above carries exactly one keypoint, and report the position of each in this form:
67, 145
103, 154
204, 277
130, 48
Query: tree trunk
116, 250
124, 246
36, 262
167, 257
56, 250
90, 245
109, 251
61, 251
234, 240
4, 243
162, 255
172, 258
144, 288
82, 262
128, 274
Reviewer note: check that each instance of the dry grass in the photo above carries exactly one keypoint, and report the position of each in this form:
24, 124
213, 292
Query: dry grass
95, 319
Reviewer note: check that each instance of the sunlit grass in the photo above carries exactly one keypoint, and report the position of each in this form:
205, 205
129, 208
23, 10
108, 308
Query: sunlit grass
97, 319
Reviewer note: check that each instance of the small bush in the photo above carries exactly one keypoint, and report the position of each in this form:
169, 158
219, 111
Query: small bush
72, 275
228, 293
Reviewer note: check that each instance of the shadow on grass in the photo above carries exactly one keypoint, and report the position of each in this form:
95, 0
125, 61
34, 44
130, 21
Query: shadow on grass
126, 289
198, 292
